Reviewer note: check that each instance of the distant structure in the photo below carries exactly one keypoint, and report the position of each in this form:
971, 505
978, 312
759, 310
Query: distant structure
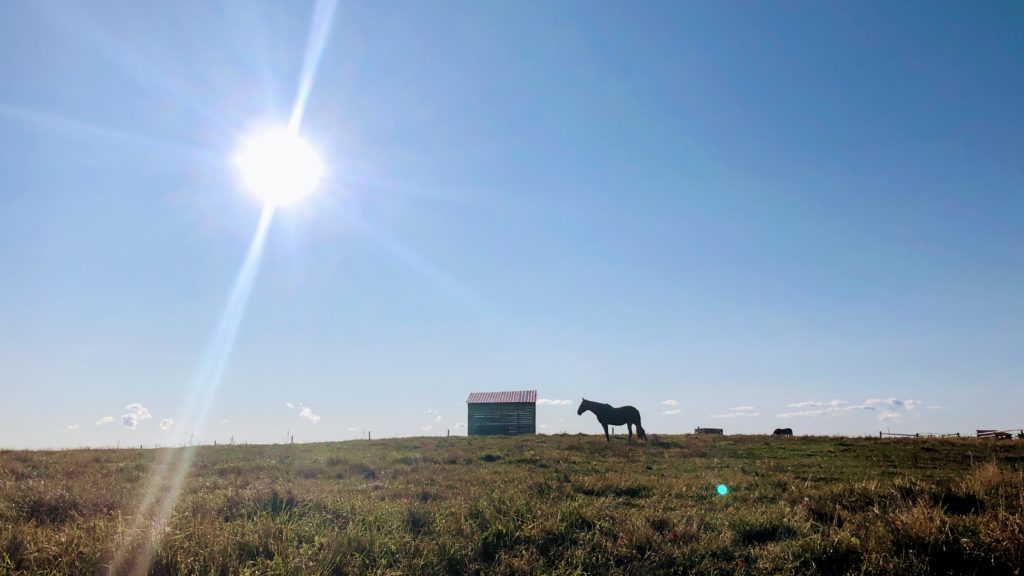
506, 413
708, 431
783, 432
997, 434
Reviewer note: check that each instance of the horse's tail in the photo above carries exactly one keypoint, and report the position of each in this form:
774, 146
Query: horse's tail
640, 432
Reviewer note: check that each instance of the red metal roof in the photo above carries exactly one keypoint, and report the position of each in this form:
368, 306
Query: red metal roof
502, 397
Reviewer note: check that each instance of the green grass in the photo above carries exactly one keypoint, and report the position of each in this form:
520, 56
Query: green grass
527, 505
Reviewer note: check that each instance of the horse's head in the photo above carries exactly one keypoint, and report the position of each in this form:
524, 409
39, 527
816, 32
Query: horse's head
583, 407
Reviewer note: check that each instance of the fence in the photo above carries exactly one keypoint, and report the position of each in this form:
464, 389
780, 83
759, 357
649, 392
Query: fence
999, 434
920, 435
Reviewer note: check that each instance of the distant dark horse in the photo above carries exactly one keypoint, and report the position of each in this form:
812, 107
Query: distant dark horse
615, 416
783, 432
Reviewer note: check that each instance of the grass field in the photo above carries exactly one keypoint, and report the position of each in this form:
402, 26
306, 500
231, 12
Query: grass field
526, 505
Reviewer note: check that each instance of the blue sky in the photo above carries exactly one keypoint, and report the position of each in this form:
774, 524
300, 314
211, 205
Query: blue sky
811, 212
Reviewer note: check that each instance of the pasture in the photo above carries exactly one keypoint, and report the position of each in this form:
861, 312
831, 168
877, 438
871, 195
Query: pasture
526, 505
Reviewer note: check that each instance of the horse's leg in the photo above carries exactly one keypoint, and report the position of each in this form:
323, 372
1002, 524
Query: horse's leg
629, 426
607, 437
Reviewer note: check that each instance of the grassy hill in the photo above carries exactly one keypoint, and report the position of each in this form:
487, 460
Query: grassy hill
526, 505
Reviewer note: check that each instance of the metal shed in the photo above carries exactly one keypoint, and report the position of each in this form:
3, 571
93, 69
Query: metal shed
508, 413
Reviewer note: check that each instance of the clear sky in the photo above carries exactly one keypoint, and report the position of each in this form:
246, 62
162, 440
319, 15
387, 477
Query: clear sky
795, 214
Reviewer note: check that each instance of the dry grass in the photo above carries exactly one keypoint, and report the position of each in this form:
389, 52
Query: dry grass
536, 505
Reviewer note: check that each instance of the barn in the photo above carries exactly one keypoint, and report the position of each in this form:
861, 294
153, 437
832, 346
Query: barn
507, 413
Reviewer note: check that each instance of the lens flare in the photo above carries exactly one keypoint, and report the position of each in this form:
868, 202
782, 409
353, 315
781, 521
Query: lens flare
722, 489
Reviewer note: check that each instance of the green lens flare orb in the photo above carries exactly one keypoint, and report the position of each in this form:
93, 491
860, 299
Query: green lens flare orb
722, 489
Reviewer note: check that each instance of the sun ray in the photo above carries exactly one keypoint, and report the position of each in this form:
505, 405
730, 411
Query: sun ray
171, 469
443, 282
172, 465
76, 127
319, 32
78, 20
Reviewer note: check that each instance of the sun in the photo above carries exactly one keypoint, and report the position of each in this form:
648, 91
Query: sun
278, 166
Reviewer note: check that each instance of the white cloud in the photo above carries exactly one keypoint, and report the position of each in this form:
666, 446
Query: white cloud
543, 426
676, 411
351, 429
670, 403
289, 405
141, 411
550, 402
888, 408
818, 404
72, 427
437, 418
827, 411
736, 411
894, 403
136, 413
307, 413
459, 425
426, 428
801, 414
105, 420
430, 411
734, 414
225, 421
166, 423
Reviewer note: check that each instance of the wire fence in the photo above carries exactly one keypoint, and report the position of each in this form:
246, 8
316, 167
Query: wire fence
997, 434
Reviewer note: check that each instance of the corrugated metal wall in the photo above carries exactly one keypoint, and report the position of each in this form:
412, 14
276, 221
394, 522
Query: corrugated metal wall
509, 419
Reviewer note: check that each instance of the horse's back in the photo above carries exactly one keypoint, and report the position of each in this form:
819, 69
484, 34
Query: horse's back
619, 416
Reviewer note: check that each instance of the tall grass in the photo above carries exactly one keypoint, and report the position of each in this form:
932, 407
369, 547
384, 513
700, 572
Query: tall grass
530, 505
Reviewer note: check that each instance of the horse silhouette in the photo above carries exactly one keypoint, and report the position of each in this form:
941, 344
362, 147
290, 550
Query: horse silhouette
606, 415
783, 432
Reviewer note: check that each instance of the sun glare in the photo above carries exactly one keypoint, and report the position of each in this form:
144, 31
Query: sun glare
278, 166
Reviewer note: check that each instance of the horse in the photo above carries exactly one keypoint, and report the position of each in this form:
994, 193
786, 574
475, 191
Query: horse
783, 432
606, 415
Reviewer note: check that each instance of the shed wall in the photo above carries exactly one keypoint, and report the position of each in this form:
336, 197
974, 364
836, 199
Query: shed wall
509, 419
